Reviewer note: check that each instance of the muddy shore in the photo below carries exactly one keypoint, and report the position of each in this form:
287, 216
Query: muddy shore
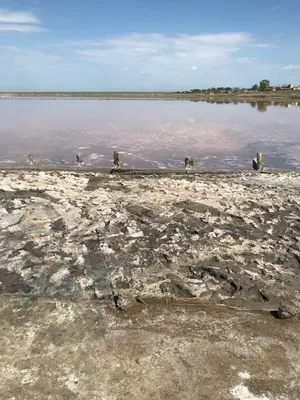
149, 284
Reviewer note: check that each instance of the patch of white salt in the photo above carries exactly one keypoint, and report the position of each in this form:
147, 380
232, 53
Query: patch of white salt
241, 392
244, 375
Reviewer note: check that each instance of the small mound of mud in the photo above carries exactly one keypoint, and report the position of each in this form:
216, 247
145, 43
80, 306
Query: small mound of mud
12, 283
139, 211
197, 207
176, 289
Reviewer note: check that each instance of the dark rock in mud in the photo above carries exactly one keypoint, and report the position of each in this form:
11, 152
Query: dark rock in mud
286, 312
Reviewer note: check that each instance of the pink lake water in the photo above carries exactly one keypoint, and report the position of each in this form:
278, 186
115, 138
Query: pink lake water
149, 133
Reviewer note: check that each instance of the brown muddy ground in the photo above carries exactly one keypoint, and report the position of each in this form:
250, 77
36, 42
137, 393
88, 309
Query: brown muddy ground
88, 350
199, 266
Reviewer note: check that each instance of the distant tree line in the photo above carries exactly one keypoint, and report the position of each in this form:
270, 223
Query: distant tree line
220, 89
263, 85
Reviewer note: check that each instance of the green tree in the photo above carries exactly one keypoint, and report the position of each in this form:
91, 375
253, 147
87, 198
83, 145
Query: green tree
264, 84
255, 87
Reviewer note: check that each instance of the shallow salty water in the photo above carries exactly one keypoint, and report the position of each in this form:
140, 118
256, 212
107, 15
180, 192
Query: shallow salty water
149, 133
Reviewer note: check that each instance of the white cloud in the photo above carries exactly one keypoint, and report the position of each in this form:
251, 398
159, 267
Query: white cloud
247, 60
291, 67
264, 45
174, 52
79, 43
19, 21
12, 48
194, 68
18, 17
28, 59
20, 28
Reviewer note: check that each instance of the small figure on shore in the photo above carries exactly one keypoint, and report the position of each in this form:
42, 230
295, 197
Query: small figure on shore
116, 159
79, 159
189, 163
31, 159
257, 163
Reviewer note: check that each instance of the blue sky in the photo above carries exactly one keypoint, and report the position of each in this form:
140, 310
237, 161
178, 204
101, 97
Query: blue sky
147, 44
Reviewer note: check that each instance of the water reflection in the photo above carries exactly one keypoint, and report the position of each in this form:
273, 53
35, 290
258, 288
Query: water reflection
218, 133
259, 105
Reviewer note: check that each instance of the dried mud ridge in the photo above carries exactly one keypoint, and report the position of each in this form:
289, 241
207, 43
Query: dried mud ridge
231, 239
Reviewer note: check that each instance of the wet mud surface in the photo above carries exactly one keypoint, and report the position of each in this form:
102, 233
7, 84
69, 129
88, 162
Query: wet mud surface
229, 238
149, 287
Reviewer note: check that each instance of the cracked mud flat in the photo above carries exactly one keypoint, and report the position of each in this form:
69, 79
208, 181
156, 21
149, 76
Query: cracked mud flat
209, 256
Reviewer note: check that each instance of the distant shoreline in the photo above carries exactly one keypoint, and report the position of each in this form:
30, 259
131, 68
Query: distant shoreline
248, 96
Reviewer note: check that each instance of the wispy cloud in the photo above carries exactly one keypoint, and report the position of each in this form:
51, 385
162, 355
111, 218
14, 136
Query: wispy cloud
264, 45
19, 21
11, 48
18, 17
278, 7
28, 59
20, 28
247, 60
193, 68
173, 52
291, 67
